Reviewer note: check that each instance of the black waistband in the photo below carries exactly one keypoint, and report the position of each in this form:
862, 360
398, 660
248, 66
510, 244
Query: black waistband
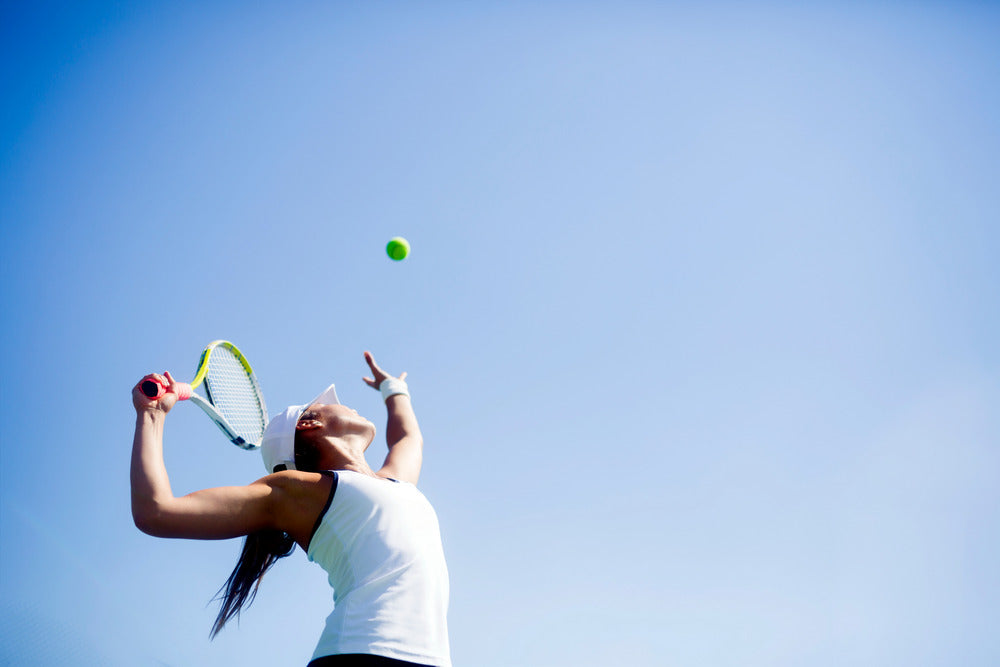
359, 660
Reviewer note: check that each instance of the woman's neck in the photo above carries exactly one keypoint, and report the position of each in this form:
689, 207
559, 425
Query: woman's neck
346, 454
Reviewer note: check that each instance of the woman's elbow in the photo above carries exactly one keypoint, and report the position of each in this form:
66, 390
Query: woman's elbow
147, 519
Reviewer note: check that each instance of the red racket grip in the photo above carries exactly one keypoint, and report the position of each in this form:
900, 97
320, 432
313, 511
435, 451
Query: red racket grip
153, 389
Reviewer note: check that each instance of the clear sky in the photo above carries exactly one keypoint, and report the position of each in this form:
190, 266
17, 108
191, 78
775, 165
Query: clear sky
700, 319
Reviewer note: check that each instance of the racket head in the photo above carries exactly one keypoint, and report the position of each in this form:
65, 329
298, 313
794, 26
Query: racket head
232, 389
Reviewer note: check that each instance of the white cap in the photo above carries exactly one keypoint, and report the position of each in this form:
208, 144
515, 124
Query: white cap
278, 444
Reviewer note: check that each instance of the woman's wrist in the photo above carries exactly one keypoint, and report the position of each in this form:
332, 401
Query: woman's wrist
150, 417
392, 387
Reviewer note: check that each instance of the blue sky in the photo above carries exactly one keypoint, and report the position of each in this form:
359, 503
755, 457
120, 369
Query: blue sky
700, 318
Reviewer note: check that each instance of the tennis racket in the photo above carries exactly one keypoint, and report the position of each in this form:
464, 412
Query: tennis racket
234, 400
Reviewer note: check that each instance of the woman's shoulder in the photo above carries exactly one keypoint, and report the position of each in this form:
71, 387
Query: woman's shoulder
296, 478
299, 498
298, 485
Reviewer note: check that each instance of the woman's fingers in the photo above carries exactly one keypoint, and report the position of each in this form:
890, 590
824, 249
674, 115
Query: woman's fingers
378, 374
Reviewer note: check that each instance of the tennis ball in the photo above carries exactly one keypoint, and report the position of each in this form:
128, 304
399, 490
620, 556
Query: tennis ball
398, 248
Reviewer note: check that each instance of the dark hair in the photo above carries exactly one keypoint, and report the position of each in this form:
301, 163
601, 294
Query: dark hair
261, 550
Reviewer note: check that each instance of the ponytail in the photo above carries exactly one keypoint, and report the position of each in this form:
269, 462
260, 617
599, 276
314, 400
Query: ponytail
261, 550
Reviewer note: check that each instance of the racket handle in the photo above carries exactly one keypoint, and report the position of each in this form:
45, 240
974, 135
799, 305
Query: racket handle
154, 389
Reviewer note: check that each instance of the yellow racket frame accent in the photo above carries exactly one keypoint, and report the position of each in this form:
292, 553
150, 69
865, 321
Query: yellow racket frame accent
203, 362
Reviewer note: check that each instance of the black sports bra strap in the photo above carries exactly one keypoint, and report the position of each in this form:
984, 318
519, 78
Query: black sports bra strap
329, 500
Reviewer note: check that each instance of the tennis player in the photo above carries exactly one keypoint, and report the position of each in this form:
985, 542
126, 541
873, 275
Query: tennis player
373, 532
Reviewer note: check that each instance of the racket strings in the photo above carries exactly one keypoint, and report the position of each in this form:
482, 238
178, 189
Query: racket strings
235, 394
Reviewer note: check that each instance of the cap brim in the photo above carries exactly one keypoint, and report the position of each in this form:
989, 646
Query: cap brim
328, 397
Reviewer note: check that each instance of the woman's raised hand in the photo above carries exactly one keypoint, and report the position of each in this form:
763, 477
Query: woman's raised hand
378, 375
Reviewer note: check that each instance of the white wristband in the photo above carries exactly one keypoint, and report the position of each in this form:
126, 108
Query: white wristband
393, 386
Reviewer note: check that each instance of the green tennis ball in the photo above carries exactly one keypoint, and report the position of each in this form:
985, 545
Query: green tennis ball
398, 248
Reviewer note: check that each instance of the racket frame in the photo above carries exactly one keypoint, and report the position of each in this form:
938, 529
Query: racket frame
207, 405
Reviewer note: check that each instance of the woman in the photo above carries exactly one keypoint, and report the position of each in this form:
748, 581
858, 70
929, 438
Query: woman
373, 532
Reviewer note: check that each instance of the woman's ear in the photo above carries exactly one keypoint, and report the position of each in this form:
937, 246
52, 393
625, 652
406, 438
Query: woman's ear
307, 424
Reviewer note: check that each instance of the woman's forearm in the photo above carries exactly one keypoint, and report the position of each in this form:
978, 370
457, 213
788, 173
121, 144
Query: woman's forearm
150, 483
402, 421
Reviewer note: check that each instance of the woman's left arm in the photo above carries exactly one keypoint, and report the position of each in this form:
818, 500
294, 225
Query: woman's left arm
402, 433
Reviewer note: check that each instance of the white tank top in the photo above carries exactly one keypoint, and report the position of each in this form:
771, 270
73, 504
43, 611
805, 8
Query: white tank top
380, 543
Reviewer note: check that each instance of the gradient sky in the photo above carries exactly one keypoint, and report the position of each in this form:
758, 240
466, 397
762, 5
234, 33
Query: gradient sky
700, 319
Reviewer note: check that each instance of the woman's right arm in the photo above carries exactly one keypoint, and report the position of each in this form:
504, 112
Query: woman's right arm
218, 513
150, 483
